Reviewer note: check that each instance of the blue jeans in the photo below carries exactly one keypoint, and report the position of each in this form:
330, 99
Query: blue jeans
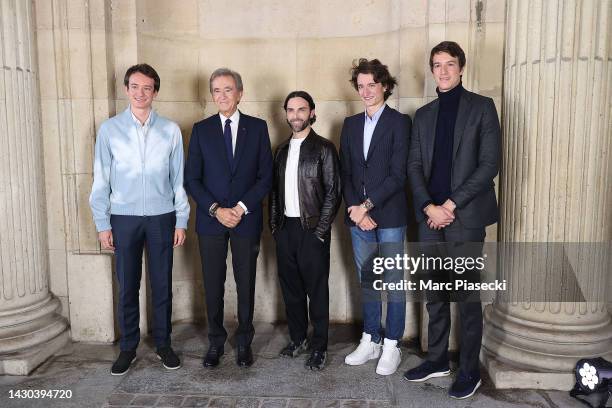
380, 242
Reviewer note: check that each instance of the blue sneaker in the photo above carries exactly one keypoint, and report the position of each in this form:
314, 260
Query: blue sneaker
426, 371
464, 386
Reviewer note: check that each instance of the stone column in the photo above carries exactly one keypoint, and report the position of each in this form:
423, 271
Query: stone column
30, 327
555, 187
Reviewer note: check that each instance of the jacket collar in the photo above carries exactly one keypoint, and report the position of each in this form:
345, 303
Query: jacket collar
463, 112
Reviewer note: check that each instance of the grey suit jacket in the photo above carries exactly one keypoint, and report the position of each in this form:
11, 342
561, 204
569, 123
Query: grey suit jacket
476, 152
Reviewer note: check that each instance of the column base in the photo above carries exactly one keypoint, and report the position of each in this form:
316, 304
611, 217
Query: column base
525, 353
25, 361
30, 335
505, 376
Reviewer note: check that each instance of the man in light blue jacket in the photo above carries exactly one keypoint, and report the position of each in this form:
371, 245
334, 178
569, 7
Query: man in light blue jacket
138, 199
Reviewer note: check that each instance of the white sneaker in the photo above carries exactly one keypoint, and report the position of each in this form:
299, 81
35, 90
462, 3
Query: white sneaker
390, 359
367, 350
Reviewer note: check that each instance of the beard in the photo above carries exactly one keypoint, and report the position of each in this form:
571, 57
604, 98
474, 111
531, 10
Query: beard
298, 125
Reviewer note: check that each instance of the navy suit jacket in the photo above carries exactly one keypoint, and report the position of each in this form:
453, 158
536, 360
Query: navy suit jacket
382, 173
210, 178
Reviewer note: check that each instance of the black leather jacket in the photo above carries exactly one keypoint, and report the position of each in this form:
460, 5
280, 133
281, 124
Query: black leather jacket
318, 185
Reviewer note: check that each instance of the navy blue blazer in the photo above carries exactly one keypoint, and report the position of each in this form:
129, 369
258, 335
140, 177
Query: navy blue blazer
383, 174
210, 178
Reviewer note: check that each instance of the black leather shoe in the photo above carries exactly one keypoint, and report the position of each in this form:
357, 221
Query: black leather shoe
213, 355
244, 356
317, 359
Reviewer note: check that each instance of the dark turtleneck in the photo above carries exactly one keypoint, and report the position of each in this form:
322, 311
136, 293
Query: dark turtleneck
440, 181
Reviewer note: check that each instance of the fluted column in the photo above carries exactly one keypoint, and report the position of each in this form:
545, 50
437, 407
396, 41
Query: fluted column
555, 188
30, 327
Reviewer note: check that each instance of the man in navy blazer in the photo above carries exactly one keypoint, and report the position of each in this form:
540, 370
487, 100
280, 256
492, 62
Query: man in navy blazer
228, 173
373, 153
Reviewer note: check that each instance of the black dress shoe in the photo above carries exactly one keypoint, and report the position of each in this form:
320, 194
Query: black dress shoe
212, 356
244, 357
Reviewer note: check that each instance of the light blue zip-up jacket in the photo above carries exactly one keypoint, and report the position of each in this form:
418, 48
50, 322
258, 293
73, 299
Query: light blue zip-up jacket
128, 182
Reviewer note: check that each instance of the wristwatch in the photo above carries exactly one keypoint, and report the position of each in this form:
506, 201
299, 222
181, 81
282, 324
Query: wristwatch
367, 204
213, 209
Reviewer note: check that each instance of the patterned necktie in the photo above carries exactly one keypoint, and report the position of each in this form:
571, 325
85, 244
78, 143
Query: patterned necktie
227, 135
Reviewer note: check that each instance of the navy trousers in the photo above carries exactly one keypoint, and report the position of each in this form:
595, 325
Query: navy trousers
213, 250
130, 235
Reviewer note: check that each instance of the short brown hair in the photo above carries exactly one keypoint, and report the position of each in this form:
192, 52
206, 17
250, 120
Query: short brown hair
451, 48
144, 69
379, 72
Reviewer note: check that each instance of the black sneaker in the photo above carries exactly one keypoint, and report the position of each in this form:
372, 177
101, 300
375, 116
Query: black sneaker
123, 362
293, 350
317, 359
464, 386
168, 358
426, 371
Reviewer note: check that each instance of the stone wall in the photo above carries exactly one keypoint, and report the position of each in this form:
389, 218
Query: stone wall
84, 48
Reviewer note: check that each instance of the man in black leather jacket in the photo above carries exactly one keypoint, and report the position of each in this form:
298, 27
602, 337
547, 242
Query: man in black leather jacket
304, 201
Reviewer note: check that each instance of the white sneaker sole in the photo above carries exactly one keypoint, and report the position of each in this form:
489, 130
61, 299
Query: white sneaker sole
470, 394
169, 368
360, 362
386, 372
432, 375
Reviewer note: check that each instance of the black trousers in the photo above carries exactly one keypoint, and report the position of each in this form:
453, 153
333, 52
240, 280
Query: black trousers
130, 235
438, 308
303, 270
213, 251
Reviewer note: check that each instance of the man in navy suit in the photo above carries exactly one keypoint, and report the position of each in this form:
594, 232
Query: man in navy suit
373, 153
228, 173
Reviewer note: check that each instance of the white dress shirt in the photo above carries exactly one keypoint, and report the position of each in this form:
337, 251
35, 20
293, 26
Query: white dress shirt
141, 129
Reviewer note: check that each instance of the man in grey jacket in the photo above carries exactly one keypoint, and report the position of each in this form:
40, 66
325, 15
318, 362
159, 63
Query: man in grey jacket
453, 159
138, 199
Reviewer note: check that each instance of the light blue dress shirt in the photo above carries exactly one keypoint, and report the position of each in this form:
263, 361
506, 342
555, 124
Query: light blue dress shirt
368, 129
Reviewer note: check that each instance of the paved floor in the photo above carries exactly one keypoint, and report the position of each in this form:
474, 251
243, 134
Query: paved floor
271, 382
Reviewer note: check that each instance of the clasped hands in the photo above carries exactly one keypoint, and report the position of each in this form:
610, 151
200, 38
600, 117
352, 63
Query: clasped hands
359, 215
440, 216
230, 217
